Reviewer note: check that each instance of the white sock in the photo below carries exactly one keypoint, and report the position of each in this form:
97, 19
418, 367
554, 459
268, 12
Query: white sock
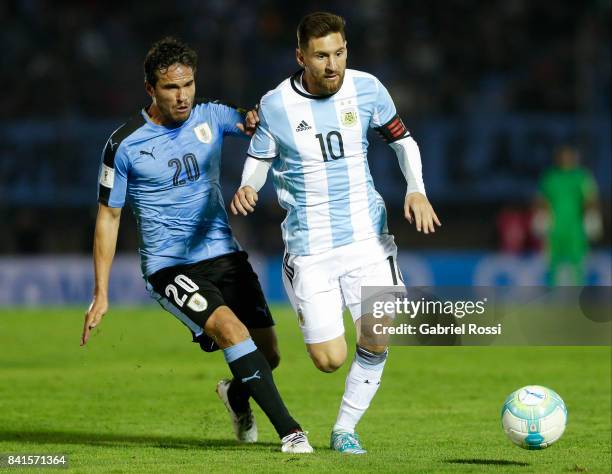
362, 383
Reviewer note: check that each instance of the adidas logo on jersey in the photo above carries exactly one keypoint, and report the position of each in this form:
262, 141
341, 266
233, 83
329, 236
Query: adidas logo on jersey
303, 126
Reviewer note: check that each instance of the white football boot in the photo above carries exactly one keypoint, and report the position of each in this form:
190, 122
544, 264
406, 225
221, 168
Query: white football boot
244, 424
296, 443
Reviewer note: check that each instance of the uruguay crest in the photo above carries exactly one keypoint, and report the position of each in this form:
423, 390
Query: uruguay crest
203, 132
197, 303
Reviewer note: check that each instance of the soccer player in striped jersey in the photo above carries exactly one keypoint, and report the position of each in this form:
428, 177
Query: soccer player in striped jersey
313, 135
165, 162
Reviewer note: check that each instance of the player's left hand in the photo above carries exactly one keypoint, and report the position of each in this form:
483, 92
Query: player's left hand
418, 209
250, 122
244, 201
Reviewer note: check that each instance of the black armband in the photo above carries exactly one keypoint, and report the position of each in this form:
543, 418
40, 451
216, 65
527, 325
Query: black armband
393, 130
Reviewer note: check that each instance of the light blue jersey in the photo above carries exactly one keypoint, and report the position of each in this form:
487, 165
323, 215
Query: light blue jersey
320, 169
170, 178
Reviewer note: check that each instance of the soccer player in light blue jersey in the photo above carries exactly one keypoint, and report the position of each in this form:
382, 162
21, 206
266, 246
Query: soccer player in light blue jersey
313, 135
165, 163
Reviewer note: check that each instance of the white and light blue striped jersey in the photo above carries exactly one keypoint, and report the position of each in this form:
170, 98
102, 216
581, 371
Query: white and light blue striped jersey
171, 178
320, 169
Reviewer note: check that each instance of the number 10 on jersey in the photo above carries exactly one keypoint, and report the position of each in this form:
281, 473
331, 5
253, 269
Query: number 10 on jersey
332, 147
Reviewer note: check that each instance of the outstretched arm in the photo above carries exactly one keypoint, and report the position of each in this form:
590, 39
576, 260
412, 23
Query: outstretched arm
416, 205
392, 130
105, 243
254, 177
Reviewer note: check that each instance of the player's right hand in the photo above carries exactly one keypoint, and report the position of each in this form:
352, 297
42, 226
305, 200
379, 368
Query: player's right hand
244, 201
93, 316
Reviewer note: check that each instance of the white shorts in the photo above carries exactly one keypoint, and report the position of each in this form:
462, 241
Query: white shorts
321, 286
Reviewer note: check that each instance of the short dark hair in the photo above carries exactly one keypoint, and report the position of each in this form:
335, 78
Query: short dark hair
166, 52
317, 25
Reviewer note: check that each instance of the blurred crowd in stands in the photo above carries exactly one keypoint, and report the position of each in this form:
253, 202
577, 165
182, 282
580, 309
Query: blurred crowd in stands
83, 58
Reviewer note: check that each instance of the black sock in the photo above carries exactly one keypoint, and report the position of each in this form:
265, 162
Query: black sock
238, 396
251, 367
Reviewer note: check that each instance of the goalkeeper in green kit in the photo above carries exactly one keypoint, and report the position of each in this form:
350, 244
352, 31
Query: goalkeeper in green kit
568, 213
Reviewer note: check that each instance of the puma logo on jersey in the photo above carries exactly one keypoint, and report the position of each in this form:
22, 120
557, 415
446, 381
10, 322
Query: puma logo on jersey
303, 126
150, 153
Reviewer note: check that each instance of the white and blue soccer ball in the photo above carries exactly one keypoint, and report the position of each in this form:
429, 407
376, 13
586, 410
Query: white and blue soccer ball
534, 417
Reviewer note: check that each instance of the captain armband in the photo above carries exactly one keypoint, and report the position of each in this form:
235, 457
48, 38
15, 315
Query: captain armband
393, 130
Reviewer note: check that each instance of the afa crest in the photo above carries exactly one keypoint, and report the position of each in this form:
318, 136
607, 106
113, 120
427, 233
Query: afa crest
203, 132
348, 117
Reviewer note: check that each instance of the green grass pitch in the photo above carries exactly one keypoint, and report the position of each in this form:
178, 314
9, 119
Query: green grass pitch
140, 398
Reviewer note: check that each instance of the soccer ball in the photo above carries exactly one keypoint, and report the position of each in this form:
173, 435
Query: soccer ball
534, 417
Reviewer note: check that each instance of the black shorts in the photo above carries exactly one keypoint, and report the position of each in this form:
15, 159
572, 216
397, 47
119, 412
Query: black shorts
193, 292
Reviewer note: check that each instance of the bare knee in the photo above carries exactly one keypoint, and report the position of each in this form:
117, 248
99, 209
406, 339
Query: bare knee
225, 328
328, 356
327, 363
